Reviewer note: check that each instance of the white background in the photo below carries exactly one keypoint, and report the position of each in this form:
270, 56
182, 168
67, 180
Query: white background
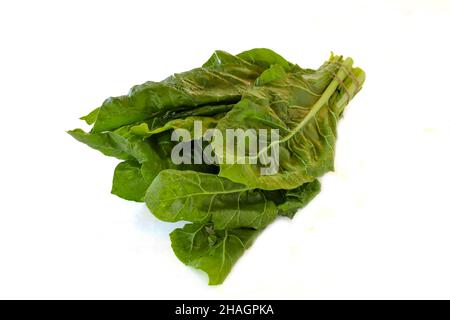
379, 229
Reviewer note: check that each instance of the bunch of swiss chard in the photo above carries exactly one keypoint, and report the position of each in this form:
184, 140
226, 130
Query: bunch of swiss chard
226, 205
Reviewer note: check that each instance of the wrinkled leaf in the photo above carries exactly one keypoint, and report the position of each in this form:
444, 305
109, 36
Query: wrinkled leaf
231, 203
298, 198
305, 108
214, 83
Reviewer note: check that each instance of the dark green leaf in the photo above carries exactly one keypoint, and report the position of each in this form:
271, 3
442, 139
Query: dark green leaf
298, 198
101, 142
215, 83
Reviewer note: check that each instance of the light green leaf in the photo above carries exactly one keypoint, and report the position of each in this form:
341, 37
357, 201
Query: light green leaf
128, 182
275, 72
91, 117
146, 130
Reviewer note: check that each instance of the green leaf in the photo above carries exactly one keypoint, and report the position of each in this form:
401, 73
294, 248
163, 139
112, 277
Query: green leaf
91, 117
212, 84
265, 58
128, 182
161, 159
275, 72
229, 204
123, 144
305, 108
221, 59
217, 111
214, 252
298, 198
102, 142
146, 130
199, 197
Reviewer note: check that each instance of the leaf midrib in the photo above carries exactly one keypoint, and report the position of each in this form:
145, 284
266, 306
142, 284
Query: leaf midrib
206, 193
341, 74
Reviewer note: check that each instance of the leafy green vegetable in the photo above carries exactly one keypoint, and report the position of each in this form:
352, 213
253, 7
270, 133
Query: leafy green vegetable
298, 198
146, 130
227, 204
200, 197
119, 143
220, 82
215, 252
91, 117
305, 108
128, 182
102, 142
